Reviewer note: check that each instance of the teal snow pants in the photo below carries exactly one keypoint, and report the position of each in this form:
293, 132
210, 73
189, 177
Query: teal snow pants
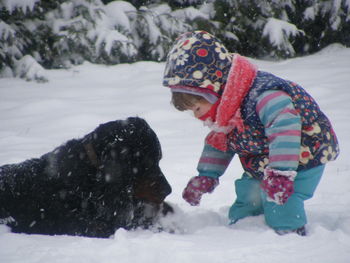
251, 200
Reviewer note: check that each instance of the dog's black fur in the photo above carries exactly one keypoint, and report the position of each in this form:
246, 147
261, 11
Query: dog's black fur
92, 186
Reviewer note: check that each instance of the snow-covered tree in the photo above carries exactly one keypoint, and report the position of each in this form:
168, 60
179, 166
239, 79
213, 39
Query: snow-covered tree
198, 18
87, 32
59, 33
324, 22
21, 24
154, 29
279, 34
283, 28
29, 69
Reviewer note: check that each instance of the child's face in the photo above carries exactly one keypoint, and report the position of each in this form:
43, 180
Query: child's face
200, 108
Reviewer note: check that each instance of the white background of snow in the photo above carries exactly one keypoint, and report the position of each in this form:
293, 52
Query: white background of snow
35, 118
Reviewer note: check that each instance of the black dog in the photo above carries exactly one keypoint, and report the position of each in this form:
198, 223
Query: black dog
92, 186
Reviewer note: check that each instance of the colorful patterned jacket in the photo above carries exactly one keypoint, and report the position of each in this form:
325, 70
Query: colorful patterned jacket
274, 112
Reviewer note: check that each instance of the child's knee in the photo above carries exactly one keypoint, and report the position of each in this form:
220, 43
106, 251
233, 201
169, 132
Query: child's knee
289, 216
292, 214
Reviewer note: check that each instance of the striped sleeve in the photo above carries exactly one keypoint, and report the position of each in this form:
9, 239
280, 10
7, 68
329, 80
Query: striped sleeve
213, 162
282, 127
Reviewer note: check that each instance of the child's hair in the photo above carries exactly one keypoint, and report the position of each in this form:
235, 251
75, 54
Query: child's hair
182, 101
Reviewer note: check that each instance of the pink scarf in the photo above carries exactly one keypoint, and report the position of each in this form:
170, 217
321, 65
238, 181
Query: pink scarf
228, 116
211, 114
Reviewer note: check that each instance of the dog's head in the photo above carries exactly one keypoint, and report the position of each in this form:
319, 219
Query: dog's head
129, 158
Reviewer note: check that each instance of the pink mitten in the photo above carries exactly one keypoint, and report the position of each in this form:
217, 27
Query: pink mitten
198, 186
278, 185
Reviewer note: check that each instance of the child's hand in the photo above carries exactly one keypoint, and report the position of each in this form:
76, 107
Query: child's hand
198, 186
278, 185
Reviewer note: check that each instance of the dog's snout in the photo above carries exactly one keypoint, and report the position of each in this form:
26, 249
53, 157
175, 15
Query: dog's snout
152, 188
166, 188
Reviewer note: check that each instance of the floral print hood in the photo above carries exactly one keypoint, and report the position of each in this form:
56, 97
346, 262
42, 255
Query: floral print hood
198, 59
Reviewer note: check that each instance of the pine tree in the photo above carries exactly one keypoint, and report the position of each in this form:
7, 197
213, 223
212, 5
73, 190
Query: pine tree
20, 24
41, 34
154, 29
281, 29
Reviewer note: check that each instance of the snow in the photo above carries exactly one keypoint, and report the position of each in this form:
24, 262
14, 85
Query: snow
309, 13
36, 117
24, 5
189, 13
154, 33
28, 68
108, 37
161, 9
117, 11
6, 31
279, 31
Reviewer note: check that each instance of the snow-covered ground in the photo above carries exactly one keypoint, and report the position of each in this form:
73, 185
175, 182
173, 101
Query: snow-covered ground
35, 118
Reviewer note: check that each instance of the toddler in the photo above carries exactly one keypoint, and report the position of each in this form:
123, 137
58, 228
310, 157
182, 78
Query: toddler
277, 130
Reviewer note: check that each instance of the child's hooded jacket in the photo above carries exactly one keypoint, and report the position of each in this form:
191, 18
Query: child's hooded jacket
264, 119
